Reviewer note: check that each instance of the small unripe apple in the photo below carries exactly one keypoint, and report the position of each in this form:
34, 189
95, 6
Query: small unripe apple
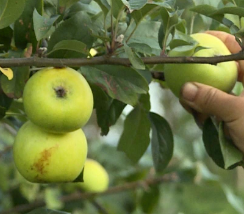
222, 76
58, 99
44, 157
96, 178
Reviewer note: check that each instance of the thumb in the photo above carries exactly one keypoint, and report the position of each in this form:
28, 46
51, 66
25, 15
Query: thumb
211, 101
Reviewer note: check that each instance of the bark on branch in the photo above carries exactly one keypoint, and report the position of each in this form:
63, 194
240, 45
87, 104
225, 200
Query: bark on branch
77, 62
84, 196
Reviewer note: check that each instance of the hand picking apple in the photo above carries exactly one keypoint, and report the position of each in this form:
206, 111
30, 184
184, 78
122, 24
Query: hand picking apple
212, 101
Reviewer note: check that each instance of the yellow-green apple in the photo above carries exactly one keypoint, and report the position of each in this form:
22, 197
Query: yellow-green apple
222, 75
58, 99
44, 157
96, 178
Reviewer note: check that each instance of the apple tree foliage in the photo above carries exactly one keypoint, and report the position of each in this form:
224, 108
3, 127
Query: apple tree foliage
119, 29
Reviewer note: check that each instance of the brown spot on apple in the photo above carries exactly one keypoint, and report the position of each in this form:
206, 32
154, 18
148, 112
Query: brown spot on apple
43, 160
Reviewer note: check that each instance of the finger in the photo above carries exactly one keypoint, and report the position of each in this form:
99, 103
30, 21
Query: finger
211, 101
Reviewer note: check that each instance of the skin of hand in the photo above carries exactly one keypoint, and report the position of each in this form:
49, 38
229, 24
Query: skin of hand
204, 101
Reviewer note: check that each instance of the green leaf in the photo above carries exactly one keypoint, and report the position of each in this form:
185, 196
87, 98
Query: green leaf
134, 4
46, 211
139, 15
135, 60
211, 143
5, 103
108, 110
150, 199
135, 139
231, 154
42, 25
72, 45
117, 6
14, 88
10, 10
162, 142
121, 83
75, 28
67, 3
148, 36
5, 38
23, 27
104, 6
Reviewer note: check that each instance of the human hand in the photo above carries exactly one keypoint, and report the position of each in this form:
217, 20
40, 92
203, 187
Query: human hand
204, 101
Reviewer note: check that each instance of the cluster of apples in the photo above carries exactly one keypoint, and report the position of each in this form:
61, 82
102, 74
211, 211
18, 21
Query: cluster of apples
51, 147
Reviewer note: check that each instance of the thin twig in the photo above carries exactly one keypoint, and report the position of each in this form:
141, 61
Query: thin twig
35, 61
85, 195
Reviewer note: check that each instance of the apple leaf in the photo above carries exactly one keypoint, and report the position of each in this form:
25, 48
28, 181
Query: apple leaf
23, 27
139, 15
42, 25
66, 3
148, 37
74, 28
14, 88
150, 199
5, 103
135, 138
121, 83
135, 60
117, 7
72, 45
221, 150
162, 142
108, 110
46, 211
211, 142
231, 154
134, 4
5, 38
103, 5
10, 10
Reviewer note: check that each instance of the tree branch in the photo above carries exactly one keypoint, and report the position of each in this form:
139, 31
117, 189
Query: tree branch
36, 61
85, 195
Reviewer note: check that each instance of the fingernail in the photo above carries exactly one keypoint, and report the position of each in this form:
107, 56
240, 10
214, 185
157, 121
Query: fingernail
189, 92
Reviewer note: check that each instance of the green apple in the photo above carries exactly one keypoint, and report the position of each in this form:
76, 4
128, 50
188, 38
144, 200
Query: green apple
58, 99
222, 76
96, 178
44, 157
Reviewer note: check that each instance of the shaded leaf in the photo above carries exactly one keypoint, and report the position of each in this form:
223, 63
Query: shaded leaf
162, 142
135, 139
23, 27
108, 110
211, 142
231, 154
74, 28
150, 199
5, 38
42, 25
10, 10
5, 103
135, 60
121, 83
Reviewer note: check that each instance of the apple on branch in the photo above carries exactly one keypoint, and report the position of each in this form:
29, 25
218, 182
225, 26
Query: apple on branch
222, 76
